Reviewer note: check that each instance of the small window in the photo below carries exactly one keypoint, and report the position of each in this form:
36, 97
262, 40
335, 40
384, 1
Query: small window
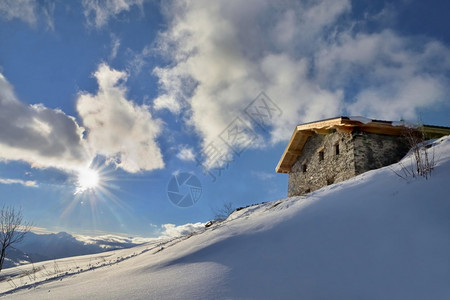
304, 167
321, 155
336, 149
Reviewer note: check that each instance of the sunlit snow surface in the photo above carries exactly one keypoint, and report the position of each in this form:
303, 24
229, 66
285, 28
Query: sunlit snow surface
376, 236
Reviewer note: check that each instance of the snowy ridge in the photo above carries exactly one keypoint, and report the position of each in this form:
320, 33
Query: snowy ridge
40, 247
376, 236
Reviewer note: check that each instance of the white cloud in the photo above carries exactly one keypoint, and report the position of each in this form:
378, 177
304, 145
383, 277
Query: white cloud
171, 230
400, 98
396, 78
29, 11
98, 12
24, 10
117, 128
115, 44
139, 59
167, 102
112, 241
186, 153
225, 53
307, 56
39, 135
48, 11
27, 183
263, 175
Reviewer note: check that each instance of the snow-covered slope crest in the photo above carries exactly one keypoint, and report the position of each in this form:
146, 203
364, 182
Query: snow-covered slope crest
376, 236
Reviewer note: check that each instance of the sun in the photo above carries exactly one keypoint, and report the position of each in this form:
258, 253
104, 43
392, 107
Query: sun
88, 179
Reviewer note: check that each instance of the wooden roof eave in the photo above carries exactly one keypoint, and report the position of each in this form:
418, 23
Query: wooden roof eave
434, 131
292, 152
344, 124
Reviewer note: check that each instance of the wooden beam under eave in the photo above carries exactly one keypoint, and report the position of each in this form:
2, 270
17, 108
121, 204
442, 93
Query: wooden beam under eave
343, 128
386, 130
304, 132
434, 131
322, 130
295, 152
283, 168
320, 124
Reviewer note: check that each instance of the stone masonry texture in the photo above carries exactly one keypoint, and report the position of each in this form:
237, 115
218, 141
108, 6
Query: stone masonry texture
345, 155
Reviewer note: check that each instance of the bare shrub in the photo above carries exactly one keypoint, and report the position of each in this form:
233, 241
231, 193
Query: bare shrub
422, 155
223, 212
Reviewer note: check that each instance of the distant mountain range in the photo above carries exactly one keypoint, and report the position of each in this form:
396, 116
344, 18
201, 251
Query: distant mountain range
40, 247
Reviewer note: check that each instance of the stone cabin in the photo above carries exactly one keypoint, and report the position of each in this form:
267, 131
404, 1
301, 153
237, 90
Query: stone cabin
333, 150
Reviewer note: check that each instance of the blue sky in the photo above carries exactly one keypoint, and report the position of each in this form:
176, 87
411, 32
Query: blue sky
140, 91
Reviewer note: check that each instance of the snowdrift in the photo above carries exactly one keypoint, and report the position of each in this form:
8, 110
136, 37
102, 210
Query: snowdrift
376, 236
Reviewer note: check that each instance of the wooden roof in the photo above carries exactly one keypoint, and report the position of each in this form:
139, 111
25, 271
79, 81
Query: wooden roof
345, 124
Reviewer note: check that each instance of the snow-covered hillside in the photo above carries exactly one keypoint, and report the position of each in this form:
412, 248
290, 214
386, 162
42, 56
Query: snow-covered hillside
40, 247
376, 236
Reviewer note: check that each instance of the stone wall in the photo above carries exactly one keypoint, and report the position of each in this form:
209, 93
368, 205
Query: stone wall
311, 172
373, 151
358, 152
